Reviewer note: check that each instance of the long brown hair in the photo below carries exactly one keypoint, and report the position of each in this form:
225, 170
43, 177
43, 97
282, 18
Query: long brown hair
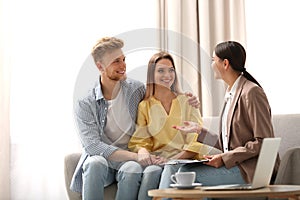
150, 85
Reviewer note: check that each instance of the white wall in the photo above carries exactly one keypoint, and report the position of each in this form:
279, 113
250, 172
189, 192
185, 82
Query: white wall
273, 40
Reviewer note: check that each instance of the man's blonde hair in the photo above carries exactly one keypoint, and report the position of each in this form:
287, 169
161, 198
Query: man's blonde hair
104, 45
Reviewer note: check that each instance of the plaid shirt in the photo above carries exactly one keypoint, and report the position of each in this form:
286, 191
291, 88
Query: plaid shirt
90, 115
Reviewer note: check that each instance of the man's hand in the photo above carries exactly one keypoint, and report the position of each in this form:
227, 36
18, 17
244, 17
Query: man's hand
214, 160
189, 127
193, 100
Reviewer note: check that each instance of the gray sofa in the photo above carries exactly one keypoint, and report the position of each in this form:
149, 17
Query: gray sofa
286, 126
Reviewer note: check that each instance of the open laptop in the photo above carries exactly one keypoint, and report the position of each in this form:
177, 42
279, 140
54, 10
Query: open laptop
263, 171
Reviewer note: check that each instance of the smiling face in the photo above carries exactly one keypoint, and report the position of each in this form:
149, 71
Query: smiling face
161, 74
113, 65
164, 74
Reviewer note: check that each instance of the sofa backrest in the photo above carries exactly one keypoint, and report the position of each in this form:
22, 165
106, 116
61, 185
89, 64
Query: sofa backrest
286, 126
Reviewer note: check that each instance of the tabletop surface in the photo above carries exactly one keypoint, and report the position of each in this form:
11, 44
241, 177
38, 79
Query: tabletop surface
272, 190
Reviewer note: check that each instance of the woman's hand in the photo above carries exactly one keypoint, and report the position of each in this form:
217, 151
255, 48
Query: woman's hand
159, 160
189, 127
144, 157
214, 160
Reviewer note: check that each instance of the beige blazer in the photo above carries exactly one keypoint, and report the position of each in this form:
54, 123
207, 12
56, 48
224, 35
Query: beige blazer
249, 121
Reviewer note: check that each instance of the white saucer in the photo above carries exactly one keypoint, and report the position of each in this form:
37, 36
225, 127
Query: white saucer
185, 186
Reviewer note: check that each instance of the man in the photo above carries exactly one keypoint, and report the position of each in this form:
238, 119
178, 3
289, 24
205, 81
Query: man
106, 120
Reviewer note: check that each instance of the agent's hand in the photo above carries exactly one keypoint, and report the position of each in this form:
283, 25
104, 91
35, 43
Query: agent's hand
214, 160
193, 100
189, 127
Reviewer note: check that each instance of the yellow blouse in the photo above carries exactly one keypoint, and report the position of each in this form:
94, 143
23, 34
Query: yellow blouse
154, 129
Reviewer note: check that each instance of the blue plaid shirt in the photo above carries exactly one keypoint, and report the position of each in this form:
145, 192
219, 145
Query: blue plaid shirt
90, 115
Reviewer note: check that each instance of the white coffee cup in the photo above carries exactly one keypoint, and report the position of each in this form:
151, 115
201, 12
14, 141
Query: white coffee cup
184, 178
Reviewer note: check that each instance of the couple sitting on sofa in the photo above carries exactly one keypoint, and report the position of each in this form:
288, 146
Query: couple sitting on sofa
106, 121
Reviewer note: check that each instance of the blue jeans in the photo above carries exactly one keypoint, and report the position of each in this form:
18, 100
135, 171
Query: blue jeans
133, 181
206, 175
165, 180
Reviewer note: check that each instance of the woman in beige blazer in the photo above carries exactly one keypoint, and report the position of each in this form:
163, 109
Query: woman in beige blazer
244, 122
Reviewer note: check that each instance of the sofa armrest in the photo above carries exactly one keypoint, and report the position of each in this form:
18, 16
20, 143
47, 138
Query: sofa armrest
289, 171
70, 164
287, 127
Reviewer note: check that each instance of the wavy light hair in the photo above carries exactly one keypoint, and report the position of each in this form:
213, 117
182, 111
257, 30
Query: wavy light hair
104, 45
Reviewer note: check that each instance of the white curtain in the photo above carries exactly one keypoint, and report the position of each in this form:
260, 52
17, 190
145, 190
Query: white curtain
4, 107
4, 103
219, 20
49, 46
198, 25
179, 24
4, 133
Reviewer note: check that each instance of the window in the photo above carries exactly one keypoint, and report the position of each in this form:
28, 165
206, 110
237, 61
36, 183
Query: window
272, 51
51, 40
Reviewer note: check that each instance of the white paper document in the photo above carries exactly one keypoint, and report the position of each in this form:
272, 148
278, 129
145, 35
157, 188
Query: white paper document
184, 161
